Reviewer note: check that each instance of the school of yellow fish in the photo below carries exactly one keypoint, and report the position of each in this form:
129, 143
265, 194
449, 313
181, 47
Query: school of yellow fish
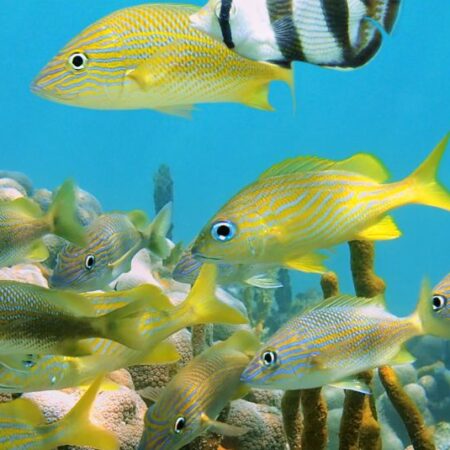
169, 58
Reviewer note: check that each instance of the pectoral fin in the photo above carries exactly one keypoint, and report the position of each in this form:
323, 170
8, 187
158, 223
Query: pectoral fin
264, 281
312, 263
385, 229
222, 428
353, 384
37, 252
183, 111
403, 357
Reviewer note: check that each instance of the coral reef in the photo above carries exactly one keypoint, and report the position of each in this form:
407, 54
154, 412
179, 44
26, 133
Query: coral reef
292, 418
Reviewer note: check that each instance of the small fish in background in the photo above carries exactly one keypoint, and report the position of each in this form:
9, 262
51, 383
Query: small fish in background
160, 320
23, 426
263, 277
339, 338
441, 297
189, 405
332, 33
111, 242
23, 225
36, 320
149, 57
306, 204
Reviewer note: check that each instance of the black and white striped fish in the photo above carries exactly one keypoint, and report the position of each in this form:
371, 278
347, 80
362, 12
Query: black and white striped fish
334, 33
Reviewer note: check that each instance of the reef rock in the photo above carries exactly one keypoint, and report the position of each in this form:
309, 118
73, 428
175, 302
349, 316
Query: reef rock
24, 273
19, 178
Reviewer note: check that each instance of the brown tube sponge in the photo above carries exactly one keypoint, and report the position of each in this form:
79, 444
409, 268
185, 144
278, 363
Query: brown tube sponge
420, 435
292, 419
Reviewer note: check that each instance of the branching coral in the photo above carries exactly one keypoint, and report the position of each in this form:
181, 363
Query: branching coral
420, 435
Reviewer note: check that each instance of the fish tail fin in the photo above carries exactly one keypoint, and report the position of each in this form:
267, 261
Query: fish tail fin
205, 306
427, 320
158, 230
62, 215
77, 429
257, 96
428, 190
124, 325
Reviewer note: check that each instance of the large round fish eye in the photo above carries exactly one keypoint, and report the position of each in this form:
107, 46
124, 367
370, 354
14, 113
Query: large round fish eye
269, 358
78, 61
223, 230
180, 423
89, 262
439, 302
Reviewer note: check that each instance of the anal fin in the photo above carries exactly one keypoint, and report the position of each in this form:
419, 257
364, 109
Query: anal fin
311, 263
383, 230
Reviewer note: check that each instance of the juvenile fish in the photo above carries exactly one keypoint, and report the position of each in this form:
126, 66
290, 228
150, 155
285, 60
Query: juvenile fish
23, 224
334, 33
35, 320
340, 338
263, 277
24, 427
190, 403
159, 321
111, 242
150, 57
305, 204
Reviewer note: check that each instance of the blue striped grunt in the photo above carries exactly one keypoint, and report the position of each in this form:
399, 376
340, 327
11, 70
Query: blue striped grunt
336, 340
344, 34
35, 320
23, 224
159, 321
24, 427
263, 277
305, 204
149, 57
111, 242
190, 403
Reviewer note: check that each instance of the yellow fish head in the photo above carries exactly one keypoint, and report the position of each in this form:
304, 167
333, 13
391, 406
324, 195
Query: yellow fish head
89, 71
232, 238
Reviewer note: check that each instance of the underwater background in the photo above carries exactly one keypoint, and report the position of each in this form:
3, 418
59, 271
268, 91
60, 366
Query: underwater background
397, 107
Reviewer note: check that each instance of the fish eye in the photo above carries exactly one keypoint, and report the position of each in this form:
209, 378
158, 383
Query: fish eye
439, 302
78, 61
180, 423
223, 231
269, 358
89, 262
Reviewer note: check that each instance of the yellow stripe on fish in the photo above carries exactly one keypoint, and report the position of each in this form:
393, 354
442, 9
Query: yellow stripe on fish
150, 57
305, 204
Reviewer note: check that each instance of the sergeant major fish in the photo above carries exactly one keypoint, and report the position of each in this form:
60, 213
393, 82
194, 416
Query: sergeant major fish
35, 320
305, 204
24, 427
190, 403
159, 321
333, 33
111, 242
23, 224
340, 338
149, 57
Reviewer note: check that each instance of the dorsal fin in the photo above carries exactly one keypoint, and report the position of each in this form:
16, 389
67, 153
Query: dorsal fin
242, 341
361, 163
348, 301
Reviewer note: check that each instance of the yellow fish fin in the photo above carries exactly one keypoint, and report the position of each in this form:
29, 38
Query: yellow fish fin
77, 429
151, 295
138, 218
202, 304
241, 391
383, 230
311, 263
23, 410
183, 111
221, 427
157, 241
362, 163
37, 251
26, 206
353, 384
77, 304
348, 301
257, 96
151, 393
163, 353
403, 357
242, 341
427, 188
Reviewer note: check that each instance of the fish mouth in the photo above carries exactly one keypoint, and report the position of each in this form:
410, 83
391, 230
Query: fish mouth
202, 257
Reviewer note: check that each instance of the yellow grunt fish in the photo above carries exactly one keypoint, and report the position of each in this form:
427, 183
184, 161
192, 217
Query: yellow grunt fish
150, 57
23, 224
158, 322
306, 204
24, 427
190, 403
334, 341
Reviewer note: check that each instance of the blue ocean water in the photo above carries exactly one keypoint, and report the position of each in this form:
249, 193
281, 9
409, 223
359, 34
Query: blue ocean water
397, 107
